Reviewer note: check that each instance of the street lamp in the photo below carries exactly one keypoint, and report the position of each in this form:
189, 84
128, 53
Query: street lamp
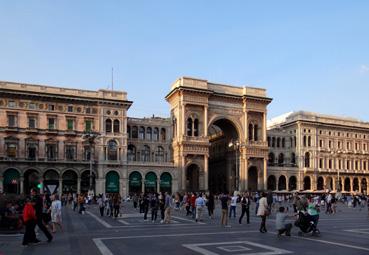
90, 138
236, 146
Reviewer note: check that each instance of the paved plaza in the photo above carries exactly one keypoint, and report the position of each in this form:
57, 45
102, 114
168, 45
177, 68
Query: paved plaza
344, 233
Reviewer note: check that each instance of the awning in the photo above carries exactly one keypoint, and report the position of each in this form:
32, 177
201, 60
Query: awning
135, 179
165, 180
150, 180
112, 182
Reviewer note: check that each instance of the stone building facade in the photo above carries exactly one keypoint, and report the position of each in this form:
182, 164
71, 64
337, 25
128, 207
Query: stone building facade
219, 135
310, 151
42, 143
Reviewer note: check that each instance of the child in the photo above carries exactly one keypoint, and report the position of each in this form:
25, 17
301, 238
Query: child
280, 222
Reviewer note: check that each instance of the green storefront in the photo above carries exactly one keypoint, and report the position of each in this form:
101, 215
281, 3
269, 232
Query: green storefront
112, 182
135, 182
11, 181
166, 183
150, 182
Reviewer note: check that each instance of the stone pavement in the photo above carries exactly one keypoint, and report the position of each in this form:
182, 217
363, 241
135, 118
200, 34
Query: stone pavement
344, 233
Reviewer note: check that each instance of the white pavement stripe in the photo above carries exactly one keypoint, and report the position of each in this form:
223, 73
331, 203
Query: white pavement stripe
104, 223
102, 247
184, 219
12, 235
329, 242
124, 222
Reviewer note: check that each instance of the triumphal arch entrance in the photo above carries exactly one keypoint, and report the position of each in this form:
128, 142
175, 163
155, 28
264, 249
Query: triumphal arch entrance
219, 136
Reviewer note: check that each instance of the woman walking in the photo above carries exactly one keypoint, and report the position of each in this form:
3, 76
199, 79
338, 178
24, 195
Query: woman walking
56, 215
263, 212
29, 218
211, 204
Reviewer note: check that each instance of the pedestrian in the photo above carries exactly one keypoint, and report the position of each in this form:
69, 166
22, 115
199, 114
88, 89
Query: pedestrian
193, 205
56, 213
245, 206
168, 208
154, 205
211, 204
81, 204
280, 222
233, 205
224, 200
135, 200
200, 204
101, 204
29, 219
145, 205
116, 205
263, 212
162, 207
38, 208
46, 215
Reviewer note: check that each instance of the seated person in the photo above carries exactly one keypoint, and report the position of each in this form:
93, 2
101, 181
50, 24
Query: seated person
280, 223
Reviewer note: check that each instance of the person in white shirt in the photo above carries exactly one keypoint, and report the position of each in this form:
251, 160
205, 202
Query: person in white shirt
233, 206
56, 214
263, 212
200, 205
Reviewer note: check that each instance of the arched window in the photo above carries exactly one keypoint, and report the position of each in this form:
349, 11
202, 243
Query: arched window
251, 132
145, 154
281, 159
304, 141
278, 142
291, 142
309, 141
163, 134
108, 126
283, 142
141, 133
131, 153
155, 136
189, 127
129, 132
112, 150
196, 127
307, 159
294, 141
271, 159
293, 159
116, 126
256, 130
134, 132
273, 142
269, 142
148, 133
159, 157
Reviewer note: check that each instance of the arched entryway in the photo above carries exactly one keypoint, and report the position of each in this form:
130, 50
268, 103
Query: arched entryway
192, 177
347, 184
252, 178
51, 182
31, 180
329, 184
150, 182
85, 181
355, 185
135, 183
292, 183
307, 183
320, 183
363, 186
271, 183
224, 156
112, 182
282, 183
11, 184
166, 182
70, 180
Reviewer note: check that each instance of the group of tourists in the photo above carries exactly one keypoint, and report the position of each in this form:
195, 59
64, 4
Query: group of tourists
43, 211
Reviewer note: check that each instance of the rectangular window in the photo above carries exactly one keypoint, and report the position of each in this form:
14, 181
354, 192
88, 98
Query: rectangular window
11, 150
356, 146
339, 145
321, 163
88, 125
320, 143
12, 104
51, 151
70, 152
51, 107
12, 121
32, 122
70, 124
330, 164
330, 144
88, 110
51, 123
70, 108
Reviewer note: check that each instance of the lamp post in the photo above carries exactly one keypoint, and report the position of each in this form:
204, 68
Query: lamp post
236, 147
90, 137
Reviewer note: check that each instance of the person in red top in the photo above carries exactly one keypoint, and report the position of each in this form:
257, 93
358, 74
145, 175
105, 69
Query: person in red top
193, 205
29, 218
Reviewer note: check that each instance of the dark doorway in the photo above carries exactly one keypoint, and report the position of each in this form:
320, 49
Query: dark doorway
253, 179
192, 178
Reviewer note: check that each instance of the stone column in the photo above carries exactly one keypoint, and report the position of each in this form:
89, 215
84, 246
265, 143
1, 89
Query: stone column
158, 185
206, 173
205, 121
79, 185
21, 179
351, 184
264, 126
183, 173
359, 180
246, 181
265, 174
60, 186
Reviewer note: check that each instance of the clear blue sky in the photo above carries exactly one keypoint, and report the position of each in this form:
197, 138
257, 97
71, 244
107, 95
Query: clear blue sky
309, 55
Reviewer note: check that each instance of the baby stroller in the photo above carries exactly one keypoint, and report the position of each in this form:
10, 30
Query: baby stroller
307, 224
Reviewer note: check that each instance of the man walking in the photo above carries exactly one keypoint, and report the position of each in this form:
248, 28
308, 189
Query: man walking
168, 208
200, 204
245, 205
38, 209
224, 199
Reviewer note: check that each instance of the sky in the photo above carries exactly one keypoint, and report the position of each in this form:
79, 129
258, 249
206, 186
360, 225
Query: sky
310, 55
